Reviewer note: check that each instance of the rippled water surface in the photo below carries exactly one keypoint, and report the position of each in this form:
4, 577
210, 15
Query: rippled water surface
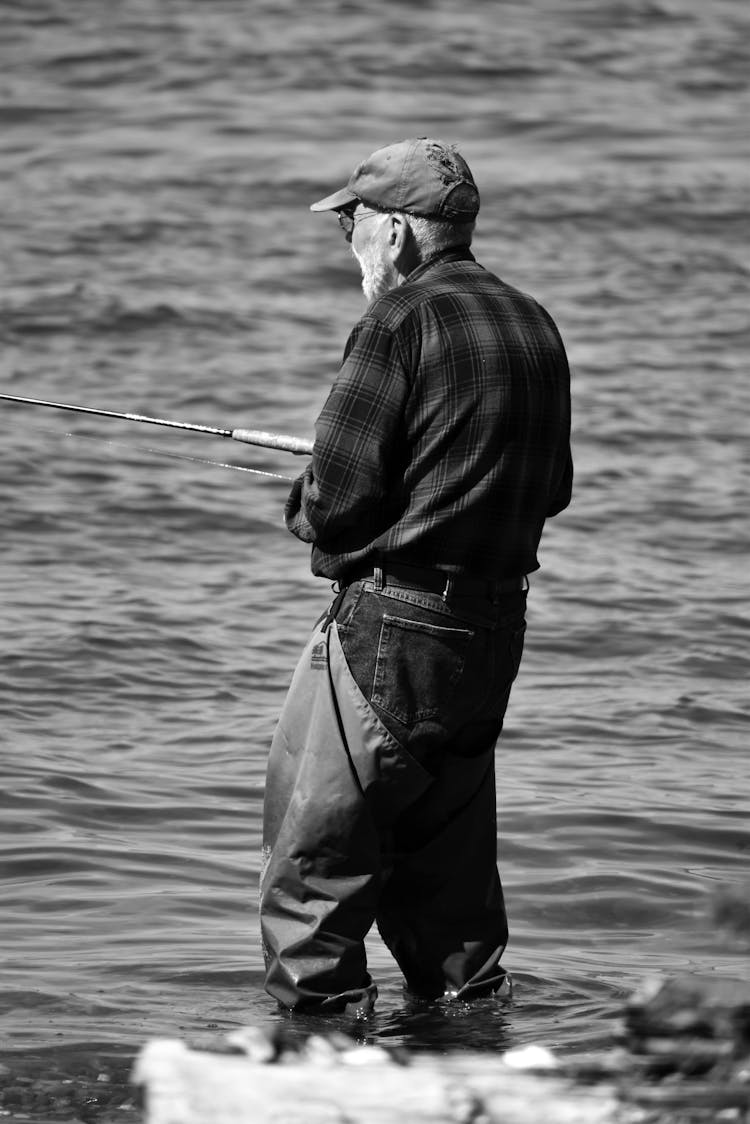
159, 257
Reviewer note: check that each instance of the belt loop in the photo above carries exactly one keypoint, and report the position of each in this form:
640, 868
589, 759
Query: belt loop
448, 588
377, 573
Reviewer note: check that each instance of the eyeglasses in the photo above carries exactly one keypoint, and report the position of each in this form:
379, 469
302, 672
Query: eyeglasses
348, 220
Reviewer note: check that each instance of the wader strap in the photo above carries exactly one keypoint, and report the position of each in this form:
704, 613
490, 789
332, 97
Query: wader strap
332, 610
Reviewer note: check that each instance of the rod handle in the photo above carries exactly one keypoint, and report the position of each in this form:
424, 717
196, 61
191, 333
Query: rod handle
299, 445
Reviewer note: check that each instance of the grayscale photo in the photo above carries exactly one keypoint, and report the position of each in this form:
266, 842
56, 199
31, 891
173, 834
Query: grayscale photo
374, 602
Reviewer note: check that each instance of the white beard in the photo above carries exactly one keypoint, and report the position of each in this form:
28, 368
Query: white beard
379, 275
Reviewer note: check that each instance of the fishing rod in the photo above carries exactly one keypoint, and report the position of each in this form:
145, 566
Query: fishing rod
298, 445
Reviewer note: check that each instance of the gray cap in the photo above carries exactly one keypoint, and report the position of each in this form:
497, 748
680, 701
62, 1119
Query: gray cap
419, 177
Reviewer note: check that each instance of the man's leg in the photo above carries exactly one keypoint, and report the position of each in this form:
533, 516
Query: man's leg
441, 911
321, 877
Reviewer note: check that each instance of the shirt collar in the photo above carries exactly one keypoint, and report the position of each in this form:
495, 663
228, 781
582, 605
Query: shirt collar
453, 253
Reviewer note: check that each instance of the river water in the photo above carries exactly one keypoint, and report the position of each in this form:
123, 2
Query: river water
158, 257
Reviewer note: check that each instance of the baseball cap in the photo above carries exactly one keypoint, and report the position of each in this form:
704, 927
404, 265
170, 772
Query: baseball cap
418, 176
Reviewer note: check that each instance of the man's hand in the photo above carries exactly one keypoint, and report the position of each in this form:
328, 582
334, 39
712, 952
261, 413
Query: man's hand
294, 516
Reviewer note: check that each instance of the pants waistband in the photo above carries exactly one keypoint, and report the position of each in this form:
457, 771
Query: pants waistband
436, 581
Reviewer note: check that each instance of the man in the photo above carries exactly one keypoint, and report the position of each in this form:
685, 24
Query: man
442, 448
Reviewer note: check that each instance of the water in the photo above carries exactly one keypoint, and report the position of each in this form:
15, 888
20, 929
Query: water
159, 257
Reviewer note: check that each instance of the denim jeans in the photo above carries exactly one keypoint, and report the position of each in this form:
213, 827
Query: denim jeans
438, 674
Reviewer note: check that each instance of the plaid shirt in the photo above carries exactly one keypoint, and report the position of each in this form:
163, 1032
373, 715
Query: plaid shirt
444, 441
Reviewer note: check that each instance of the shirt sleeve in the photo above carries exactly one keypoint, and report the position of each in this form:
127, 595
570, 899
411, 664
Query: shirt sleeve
564, 492
346, 485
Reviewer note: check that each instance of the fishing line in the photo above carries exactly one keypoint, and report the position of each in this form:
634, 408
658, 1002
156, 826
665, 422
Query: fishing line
161, 453
297, 445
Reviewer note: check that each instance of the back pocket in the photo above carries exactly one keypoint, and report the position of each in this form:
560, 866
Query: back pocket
418, 668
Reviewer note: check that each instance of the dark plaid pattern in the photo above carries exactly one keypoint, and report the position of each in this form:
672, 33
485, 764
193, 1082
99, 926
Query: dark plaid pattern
444, 441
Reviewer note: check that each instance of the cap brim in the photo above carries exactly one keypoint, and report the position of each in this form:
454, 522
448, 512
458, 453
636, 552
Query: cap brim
336, 201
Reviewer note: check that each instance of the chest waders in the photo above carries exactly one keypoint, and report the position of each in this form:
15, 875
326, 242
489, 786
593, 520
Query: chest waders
355, 832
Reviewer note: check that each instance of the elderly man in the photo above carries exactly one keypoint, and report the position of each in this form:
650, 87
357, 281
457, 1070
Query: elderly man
442, 448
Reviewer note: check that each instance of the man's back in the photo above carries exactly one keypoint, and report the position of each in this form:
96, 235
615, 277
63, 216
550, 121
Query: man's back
445, 439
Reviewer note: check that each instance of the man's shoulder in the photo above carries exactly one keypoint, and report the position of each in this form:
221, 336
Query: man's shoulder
455, 282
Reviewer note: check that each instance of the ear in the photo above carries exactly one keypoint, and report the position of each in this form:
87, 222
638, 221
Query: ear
398, 236
400, 242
